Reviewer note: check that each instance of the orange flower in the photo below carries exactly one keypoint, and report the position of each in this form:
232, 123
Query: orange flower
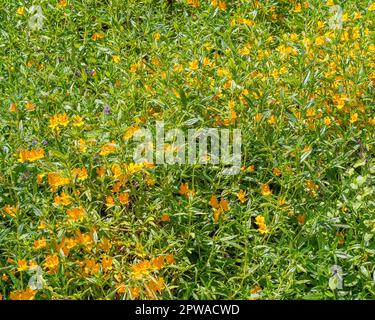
134, 292
12, 211
106, 244
80, 174
27, 294
222, 6
265, 188
219, 208
124, 198
39, 177
76, 213
262, 227
241, 195
63, 199
51, 263
154, 285
301, 218
213, 202
106, 263
276, 172
31, 155
158, 262
193, 3
170, 259
97, 36
22, 265
13, 107
140, 269
184, 189
40, 244
77, 121
194, 65
30, 106
100, 171
62, 3
108, 148
256, 289
165, 217
109, 201
55, 180
116, 186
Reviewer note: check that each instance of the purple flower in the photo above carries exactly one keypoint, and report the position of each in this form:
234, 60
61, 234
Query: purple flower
107, 110
34, 143
45, 142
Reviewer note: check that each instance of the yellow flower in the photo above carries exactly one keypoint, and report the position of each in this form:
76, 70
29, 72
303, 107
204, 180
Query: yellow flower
298, 8
77, 121
178, 68
53, 122
327, 121
194, 65
116, 58
206, 61
62, 3
262, 227
157, 36
354, 118
20, 11
222, 5
130, 132
320, 40
63, 119
97, 36
272, 119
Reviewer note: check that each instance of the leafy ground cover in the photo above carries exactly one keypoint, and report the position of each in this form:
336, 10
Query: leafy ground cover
80, 220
